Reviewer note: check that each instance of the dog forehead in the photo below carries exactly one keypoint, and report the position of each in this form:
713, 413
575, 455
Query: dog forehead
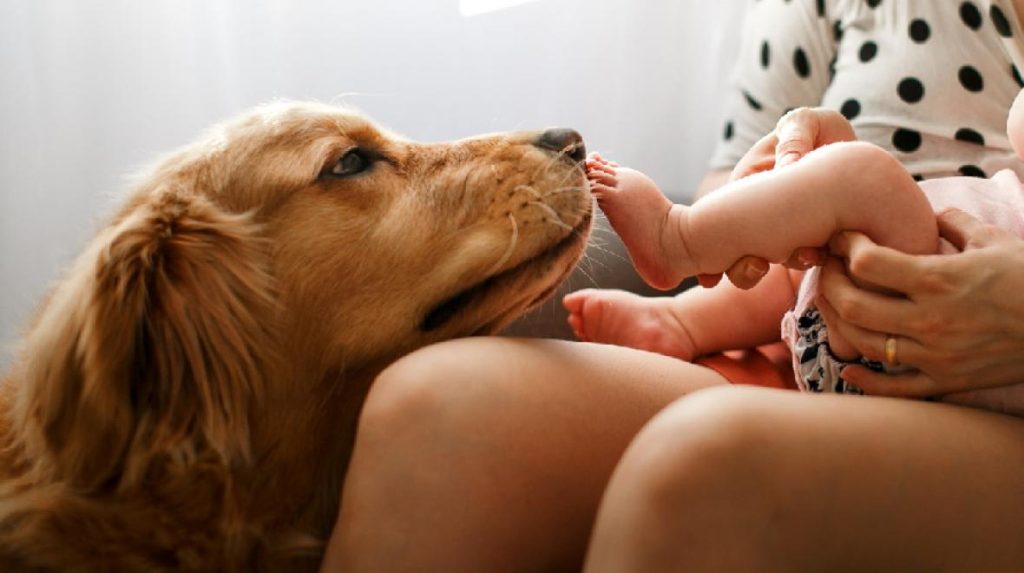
312, 120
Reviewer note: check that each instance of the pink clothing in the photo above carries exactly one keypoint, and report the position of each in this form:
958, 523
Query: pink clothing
999, 201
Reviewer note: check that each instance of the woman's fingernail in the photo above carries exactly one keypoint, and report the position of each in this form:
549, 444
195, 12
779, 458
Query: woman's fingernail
756, 269
804, 260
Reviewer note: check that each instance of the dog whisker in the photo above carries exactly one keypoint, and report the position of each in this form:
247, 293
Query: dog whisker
554, 216
587, 275
562, 190
530, 189
592, 260
513, 241
603, 231
545, 168
607, 252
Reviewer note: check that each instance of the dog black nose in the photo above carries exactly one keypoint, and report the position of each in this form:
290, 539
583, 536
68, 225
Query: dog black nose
563, 140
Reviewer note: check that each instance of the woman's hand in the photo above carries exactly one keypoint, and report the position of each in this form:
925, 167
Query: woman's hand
798, 133
960, 323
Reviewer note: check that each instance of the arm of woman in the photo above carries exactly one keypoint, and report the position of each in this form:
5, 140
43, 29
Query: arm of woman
957, 319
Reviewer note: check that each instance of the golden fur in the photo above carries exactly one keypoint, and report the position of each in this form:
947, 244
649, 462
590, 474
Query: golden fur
186, 397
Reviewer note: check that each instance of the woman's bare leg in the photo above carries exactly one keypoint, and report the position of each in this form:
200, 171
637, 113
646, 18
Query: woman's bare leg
744, 479
492, 454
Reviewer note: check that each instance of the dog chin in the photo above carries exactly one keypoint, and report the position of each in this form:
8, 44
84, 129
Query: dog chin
490, 305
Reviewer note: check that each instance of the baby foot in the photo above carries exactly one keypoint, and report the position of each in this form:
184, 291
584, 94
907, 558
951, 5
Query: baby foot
626, 319
648, 223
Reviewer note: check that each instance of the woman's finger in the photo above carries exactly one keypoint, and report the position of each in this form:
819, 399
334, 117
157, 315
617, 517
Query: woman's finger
863, 308
805, 258
747, 272
964, 230
877, 265
913, 384
760, 157
797, 131
709, 281
871, 344
803, 130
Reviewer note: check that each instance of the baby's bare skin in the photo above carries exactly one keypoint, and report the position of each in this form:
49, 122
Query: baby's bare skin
626, 319
837, 187
620, 317
648, 223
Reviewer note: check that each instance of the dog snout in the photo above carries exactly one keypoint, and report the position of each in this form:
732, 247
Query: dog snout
563, 140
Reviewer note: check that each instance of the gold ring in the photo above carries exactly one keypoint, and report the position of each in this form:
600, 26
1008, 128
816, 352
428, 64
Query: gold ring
890, 350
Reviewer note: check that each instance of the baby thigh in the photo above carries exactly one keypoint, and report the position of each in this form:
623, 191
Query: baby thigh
491, 454
747, 479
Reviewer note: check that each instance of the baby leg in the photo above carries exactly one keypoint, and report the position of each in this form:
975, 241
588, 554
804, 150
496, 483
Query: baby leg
641, 215
626, 319
845, 186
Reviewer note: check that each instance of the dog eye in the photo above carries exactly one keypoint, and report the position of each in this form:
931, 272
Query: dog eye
354, 162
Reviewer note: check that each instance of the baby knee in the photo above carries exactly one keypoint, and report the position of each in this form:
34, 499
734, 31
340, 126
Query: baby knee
861, 157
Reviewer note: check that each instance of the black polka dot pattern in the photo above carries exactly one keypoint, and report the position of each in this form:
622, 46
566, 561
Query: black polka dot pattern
971, 79
911, 90
972, 171
868, 51
971, 16
920, 31
800, 63
850, 109
753, 103
906, 140
945, 65
970, 136
1000, 22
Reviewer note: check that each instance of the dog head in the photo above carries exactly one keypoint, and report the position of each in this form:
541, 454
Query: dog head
298, 239
381, 245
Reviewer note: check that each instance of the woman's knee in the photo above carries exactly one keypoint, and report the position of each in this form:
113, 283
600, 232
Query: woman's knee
712, 444
423, 387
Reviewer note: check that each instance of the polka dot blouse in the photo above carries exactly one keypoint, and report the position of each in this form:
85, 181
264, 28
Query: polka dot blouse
930, 80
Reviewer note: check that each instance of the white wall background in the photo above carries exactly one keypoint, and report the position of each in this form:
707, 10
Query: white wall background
92, 89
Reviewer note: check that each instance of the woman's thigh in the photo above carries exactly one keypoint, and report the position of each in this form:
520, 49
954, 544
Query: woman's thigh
754, 479
491, 454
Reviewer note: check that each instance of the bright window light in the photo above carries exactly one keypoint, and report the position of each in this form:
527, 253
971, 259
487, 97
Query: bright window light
476, 7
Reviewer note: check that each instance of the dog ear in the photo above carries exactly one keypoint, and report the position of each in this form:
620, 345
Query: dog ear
155, 345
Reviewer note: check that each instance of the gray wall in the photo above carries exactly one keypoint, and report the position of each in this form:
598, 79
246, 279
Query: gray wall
92, 89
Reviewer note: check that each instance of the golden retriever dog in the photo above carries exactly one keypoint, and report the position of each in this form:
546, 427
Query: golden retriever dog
187, 396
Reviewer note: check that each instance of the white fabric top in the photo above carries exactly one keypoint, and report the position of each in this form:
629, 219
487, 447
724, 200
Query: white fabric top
929, 80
